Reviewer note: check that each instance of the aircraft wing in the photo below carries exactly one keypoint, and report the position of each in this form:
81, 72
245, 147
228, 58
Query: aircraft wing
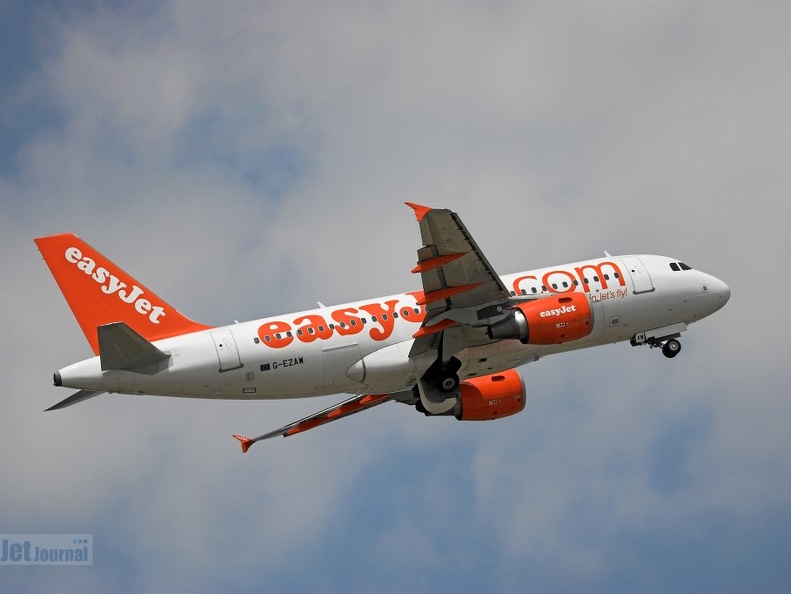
333, 413
461, 290
462, 294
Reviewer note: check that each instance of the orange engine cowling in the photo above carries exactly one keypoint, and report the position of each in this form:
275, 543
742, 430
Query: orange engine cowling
550, 320
490, 397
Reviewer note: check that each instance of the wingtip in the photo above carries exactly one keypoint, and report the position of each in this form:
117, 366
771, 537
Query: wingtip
420, 210
245, 441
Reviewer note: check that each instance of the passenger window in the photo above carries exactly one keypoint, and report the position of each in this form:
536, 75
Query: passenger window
354, 322
535, 290
523, 292
395, 314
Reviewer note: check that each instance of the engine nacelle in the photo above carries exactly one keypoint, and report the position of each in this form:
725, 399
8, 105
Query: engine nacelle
550, 320
490, 397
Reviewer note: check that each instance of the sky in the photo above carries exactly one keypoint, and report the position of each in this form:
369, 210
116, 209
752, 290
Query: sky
247, 159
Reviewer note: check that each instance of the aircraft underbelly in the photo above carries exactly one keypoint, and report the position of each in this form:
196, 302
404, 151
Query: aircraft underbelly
495, 357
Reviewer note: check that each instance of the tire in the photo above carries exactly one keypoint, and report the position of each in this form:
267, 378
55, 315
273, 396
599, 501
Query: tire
449, 383
671, 348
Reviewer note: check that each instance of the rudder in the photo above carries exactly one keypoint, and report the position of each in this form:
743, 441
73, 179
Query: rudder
99, 292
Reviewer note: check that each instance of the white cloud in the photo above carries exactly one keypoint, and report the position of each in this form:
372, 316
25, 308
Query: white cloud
244, 160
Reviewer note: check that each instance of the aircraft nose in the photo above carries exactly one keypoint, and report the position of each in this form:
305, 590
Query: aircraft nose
721, 292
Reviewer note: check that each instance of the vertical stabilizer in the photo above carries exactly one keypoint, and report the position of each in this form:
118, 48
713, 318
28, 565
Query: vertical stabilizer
99, 292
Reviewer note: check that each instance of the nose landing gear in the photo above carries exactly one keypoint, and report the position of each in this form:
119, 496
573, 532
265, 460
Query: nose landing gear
671, 348
662, 337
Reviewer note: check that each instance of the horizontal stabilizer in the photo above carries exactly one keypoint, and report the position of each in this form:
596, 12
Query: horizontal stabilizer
120, 347
75, 399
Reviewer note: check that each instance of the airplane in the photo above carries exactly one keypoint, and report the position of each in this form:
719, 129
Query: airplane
450, 349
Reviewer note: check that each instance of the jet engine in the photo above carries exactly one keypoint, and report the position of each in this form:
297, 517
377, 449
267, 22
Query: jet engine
490, 397
549, 320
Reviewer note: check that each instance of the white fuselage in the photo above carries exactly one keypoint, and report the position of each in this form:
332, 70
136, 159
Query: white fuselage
364, 346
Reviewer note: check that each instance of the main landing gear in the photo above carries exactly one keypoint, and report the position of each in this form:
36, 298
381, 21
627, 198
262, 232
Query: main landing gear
441, 380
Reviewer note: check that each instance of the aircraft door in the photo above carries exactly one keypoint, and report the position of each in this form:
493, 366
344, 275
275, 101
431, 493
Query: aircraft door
227, 353
641, 280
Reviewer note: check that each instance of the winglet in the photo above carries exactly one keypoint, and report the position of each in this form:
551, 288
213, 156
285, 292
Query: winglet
420, 210
245, 441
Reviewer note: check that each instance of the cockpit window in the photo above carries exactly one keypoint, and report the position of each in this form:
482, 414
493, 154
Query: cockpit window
674, 267
684, 266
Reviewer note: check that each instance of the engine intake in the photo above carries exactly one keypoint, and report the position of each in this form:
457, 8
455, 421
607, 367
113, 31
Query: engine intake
550, 320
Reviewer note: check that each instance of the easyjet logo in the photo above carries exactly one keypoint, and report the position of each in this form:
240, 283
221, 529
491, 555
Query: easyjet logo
112, 285
558, 311
376, 319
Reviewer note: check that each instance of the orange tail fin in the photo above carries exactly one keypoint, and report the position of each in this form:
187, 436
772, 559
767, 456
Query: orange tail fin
99, 292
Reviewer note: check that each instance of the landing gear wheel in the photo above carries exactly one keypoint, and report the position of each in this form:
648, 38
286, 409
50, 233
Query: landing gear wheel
671, 348
449, 383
